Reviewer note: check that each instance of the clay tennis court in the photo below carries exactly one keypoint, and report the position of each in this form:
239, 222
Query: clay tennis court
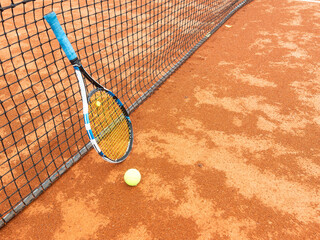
228, 146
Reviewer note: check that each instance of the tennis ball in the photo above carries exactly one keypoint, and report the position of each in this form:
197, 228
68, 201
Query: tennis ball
132, 177
98, 103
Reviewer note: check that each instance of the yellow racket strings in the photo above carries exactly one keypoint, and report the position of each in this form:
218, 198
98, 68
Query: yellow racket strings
109, 125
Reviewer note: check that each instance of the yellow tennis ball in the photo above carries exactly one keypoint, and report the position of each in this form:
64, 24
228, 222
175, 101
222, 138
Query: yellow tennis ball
132, 177
98, 103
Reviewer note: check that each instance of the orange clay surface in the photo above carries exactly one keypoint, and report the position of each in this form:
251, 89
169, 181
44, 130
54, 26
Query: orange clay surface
228, 147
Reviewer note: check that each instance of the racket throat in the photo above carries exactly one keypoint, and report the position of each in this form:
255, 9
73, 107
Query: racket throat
76, 62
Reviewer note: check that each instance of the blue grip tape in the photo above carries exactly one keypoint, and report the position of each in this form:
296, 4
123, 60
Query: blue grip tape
60, 35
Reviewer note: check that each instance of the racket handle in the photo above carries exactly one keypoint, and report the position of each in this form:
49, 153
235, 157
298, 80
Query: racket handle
60, 35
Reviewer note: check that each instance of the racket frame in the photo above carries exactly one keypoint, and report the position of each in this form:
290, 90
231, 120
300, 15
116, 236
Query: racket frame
79, 72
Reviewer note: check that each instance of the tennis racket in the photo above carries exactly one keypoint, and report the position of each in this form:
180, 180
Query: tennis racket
106, 120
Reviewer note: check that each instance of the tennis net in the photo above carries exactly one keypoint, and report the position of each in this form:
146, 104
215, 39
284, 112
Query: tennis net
130, 47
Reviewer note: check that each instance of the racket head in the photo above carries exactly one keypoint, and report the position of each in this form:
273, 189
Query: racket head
111, 129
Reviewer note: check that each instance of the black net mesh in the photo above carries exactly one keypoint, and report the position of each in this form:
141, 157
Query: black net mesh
128, 46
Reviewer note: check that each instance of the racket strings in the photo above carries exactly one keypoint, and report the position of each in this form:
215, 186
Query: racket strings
114, 143
118, 136
121, 145
109, 125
